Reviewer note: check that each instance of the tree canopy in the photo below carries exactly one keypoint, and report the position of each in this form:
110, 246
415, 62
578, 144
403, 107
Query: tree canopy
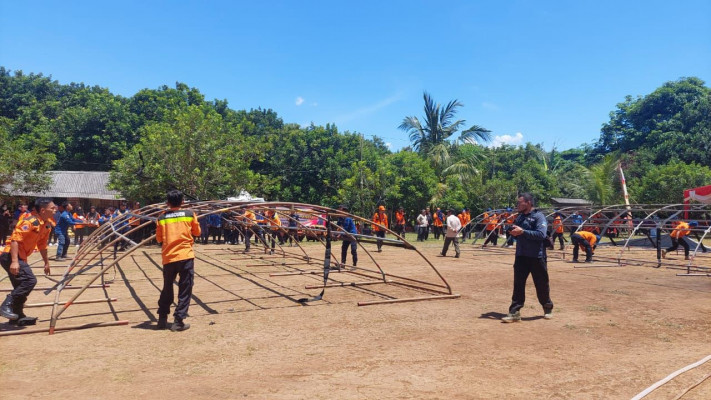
172, 137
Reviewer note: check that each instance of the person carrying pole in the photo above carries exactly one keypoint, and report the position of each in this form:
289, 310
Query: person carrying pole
175, 230
677, 237
29, 232
584, 240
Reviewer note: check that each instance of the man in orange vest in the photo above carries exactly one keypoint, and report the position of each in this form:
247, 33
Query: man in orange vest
492, 236
677, 236
175, 230
31, 232
380, 218
438, 223
400, 222
584, 240
558, 230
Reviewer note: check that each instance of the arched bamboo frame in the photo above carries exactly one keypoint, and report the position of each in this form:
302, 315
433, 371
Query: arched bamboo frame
97, 255
634, 219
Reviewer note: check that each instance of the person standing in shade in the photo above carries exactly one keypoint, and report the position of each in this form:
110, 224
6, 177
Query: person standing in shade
347, 224
30, 232
421, 225
529, 229
175, 231
380, 218
400, 222
454, 225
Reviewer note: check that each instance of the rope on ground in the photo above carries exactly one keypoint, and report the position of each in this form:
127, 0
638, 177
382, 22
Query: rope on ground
650, 389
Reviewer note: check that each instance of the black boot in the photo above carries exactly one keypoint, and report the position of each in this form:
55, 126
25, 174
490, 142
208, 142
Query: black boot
22, 319
6, 310
162, 322
179, 325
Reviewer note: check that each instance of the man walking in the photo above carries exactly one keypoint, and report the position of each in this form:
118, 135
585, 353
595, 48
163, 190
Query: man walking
453, 227
30, 232
347, 224
529, 229
175, 231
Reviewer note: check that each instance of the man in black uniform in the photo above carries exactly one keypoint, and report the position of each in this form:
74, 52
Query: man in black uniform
530, 231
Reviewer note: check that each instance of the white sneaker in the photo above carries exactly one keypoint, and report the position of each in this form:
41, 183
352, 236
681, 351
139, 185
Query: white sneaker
548, 315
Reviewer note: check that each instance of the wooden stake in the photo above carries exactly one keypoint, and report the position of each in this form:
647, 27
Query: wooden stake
76, 302
408, 300
62, 328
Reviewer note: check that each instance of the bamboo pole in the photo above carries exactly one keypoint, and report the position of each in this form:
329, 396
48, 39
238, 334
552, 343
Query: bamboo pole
63, 328
76, 302
65, 288
345, 284
409, 300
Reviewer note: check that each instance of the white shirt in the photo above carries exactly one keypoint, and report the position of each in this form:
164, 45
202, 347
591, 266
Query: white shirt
453, 226
422, 220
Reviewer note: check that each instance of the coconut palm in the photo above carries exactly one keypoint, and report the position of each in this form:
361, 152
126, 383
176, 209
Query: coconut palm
433, 138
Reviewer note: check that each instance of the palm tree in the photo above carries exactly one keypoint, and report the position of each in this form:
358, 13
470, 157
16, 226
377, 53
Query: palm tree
602, 179
433, 139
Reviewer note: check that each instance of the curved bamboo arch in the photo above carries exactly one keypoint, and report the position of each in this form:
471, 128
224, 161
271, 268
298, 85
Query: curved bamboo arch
99, 253
633, 220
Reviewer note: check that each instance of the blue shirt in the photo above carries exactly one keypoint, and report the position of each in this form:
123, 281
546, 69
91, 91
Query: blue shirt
532, 243
347, 224
65, 221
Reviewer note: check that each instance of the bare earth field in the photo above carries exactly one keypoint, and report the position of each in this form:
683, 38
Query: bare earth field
615, 331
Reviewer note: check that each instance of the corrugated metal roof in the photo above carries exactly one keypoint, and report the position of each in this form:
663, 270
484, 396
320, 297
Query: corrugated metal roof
77, 184
562, 200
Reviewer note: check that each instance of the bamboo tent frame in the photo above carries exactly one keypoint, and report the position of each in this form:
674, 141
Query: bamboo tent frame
136, 229
643, 227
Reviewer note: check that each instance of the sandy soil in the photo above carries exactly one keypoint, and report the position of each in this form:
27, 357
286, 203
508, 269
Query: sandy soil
616, 331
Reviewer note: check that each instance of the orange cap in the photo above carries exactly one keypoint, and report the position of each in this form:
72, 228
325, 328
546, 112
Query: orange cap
381, 208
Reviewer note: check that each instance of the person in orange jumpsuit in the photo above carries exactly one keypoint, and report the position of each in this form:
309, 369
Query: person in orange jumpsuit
175, 230
30, 232
380, 218
584, 240
677, 236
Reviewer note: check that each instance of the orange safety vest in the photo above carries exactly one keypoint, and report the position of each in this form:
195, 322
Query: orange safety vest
681, 230
493, 221
377, 219
558, 225
400, 218
29, 233
589, 237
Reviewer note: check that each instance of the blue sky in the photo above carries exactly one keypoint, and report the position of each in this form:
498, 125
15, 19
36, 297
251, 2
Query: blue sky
530, 71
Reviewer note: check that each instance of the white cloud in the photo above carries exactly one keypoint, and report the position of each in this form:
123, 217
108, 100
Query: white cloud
388, 145
299, 101
516, 139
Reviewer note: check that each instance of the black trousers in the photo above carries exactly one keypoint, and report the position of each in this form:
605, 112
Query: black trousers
185, 270
537, 267
447, 241
559, 236
675, 245
380, 234
493, 237
22, 283
578, 241
354, 251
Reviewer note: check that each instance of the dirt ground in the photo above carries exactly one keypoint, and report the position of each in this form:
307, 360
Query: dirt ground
616, 331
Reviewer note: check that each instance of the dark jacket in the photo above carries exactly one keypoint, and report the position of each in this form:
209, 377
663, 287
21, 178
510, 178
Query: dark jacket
532, 243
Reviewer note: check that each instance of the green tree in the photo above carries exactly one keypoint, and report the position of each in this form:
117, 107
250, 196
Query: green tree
435, 138
197, 152
23, 165
665, 184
